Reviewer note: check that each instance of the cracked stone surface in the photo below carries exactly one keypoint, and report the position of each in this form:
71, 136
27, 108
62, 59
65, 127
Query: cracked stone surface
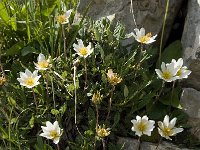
190, 101
133, 144
191, 43
148, 13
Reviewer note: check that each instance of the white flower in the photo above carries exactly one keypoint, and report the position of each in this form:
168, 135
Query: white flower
142, 125
167, 129
43, 63
81, 50
52, 131
64, 19
141, 37
168, 72
29, 79
183, 71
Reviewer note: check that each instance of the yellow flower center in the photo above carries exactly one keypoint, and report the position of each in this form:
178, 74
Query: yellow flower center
146, 38
115, 79
83, 51
54, 134
142, 127
96, 98
43, 64
61, 18
30, 81
102, 132
166, 75
167, 131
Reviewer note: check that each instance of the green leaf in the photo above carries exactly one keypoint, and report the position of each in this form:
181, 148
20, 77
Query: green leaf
91, 117
27, 50
4, 14
173, 51
15, 49
126, 91
11, 101
172, 99
13, 23
54, 112
50, 7
31, 121
116, 119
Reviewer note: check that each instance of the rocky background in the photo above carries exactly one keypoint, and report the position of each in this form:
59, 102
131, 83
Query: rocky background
183, 23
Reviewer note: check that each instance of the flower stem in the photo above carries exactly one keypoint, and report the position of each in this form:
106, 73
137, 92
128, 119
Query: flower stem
110, 102
97, 116
9, 129
104, 144
157, 97
158, 143
34, 97
64, 41
131, 10
85, 64
75, 96
162, 34
54, 102
47, 84
139, 141
172, 95
58, 147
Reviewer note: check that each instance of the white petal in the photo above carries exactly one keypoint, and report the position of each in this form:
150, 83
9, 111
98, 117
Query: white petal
166, 121
23, 75
142, 32
56, 140
138, 118
138, 132
68, 13
163, 66
41, 57
180, 62
160, 124
176, 130
172, 123
159, 73
147, 133
28, 72
80, 43
133, 121
145, 118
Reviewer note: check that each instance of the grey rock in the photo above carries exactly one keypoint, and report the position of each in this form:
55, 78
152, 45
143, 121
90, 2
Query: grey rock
133, 144
148, 13
190, 101
191, 43
162, 146
128, 143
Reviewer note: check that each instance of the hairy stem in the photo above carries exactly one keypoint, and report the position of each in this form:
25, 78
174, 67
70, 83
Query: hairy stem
162, 34
64, 41
110, 102
85, 64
